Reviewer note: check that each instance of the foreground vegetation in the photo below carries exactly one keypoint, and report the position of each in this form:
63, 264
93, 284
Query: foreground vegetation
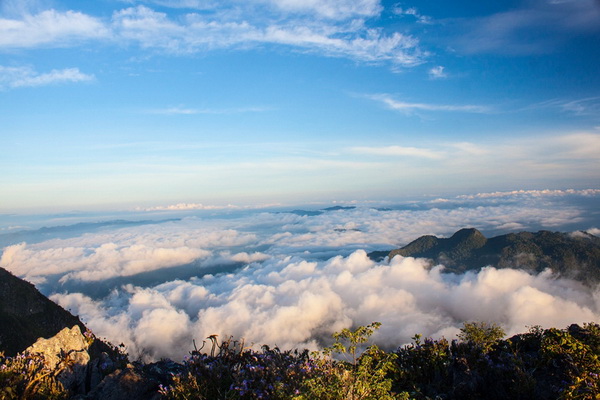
540, 364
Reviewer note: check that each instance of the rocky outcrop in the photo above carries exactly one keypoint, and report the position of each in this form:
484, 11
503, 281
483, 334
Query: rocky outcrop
69, 355
68, 341
70, 347
87, 373
31, 323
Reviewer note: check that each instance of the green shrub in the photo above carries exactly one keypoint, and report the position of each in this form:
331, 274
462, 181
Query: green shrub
363, 377
544, 364
481, 334
574, 361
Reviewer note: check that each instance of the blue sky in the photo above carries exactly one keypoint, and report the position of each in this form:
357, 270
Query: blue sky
125, 103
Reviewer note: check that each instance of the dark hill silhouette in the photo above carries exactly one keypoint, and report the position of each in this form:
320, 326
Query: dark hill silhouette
26, 315
571, 255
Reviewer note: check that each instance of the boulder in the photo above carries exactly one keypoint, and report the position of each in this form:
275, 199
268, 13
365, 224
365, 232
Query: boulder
70, 347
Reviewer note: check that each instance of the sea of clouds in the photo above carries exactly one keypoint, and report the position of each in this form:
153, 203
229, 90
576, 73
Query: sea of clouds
291, 277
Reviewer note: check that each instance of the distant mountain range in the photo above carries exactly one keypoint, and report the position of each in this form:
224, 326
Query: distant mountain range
572, 255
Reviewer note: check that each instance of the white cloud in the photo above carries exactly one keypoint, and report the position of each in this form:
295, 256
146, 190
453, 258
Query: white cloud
367, 46
50, 28
342, 32
410, 108
189, 206
588, 106
594, 231
471, 148
304, 277
254, 237
15, 77
335, 9
246, 258
398, 151
331, 9
148, 28
580, 145
198, 32
296, 304
123, 252
412, 11
193, 4
196, 111
534, 193
94, 264
437, 72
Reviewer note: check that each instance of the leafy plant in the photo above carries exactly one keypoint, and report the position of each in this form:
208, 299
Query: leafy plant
573, 361
364, 377
481, 334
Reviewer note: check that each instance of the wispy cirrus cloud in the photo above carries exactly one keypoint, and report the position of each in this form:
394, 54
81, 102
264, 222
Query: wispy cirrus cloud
409, 108
340, 29
399, 151
16, 77
198, 111
332, 9
412, 11
192, 4
587, 106
198, 32
335, 9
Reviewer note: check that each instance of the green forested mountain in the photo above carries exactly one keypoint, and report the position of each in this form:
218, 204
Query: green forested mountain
573, 255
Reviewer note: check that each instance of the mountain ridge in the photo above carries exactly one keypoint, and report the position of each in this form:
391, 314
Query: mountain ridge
573, 255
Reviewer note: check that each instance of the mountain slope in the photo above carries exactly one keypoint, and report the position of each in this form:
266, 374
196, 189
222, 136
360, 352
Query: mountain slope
26, 315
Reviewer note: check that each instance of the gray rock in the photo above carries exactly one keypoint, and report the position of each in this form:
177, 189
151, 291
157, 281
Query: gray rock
68, 345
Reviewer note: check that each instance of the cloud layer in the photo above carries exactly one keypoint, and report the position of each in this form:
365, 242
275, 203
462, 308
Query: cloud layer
293, 278
294, 303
